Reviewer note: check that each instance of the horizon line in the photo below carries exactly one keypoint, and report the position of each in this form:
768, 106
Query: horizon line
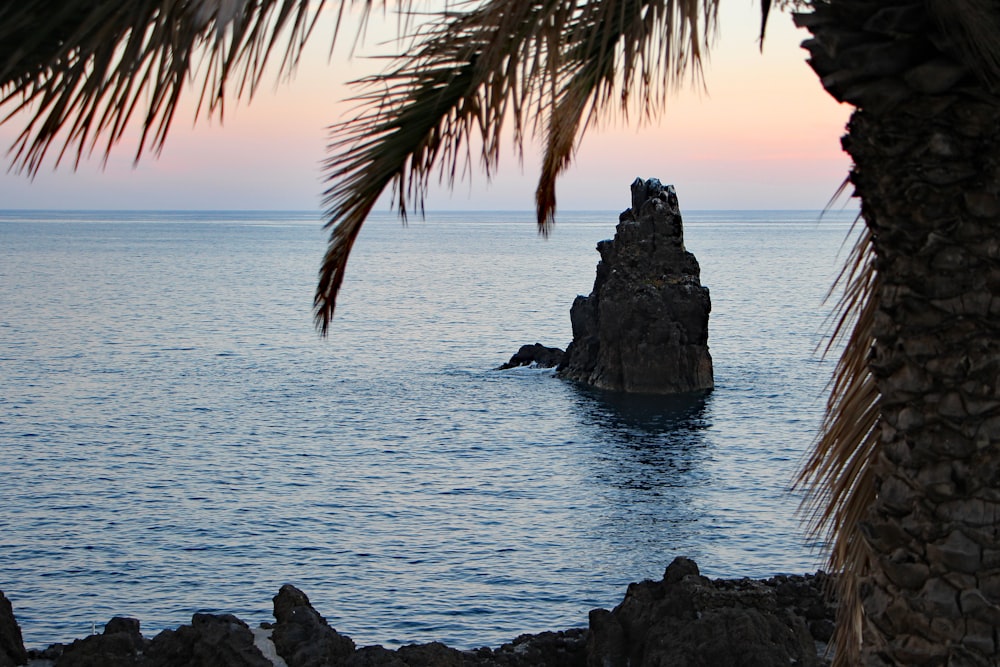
408, 214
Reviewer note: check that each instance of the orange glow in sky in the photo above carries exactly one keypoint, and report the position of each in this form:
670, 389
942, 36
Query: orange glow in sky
764, 136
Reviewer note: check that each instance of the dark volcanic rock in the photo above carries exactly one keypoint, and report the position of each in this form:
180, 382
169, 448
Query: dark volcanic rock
375, 656
548, 649
535, 355
644, 327
120, 645
11, 643
434, 654
685, 620
210, 641
302, 637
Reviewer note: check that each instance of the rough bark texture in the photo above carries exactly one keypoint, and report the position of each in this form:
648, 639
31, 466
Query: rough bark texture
925, 140
644, 327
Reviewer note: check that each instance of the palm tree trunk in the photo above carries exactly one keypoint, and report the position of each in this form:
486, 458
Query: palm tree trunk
925, 140
930, 199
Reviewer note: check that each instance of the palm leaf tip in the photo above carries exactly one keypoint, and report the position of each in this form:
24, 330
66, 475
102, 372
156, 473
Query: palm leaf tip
331, 272
765, 10
545, 205
331, 276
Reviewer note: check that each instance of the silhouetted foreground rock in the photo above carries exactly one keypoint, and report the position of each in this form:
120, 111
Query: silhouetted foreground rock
644, 327
302, 637
685, 620
11, 645
210, 641
120, 645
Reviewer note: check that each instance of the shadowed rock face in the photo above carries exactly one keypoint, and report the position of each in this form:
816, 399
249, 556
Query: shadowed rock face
11, 645
119, 646
644, 327
302, 637
686, 620
212, 640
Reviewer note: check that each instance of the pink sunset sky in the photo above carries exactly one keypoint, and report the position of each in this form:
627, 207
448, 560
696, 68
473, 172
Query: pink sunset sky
764, 136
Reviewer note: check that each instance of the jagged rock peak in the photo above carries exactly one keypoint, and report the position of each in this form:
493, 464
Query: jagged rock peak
652, 189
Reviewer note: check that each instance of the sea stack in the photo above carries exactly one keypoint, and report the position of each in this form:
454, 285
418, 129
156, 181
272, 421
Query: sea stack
644, 327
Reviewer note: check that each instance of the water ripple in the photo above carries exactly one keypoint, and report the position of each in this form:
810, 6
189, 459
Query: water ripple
175, 435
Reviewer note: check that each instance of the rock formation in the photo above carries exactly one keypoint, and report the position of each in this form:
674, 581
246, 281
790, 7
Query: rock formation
644, 327
119, 645
211, 640
11, 645
303, 637
685, 620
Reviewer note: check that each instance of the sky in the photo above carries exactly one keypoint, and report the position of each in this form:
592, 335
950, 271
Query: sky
762, 134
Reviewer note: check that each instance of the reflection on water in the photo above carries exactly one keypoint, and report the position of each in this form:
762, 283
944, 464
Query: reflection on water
648, 441
648, 468
634, 414
176, 435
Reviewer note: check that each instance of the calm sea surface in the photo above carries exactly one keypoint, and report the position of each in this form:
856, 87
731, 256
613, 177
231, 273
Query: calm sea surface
177, 438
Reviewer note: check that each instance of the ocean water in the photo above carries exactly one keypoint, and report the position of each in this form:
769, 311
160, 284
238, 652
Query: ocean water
177, 438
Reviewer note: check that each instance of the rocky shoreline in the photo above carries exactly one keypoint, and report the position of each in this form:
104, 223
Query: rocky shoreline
683, 620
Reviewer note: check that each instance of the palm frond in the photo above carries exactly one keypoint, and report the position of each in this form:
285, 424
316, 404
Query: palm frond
471, 71
839, 474
466, 70
623, 50
86, 68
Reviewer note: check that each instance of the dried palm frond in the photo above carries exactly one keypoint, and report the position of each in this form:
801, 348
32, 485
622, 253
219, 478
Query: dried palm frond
86, 68
541, 65
838, 476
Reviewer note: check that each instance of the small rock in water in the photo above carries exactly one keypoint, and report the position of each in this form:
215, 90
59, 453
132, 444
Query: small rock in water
536, 355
